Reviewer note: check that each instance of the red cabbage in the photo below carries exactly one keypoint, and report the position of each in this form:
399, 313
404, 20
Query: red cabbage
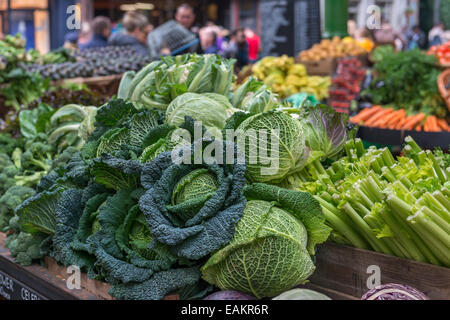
325, 130
394, 291
229, 295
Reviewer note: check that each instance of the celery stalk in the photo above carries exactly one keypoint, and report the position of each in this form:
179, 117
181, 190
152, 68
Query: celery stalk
438, 249
437, 207
368, 233
398, 229
442, 199
432, 228
345, 230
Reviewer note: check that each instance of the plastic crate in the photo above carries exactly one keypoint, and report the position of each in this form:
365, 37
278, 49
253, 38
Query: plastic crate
171, 35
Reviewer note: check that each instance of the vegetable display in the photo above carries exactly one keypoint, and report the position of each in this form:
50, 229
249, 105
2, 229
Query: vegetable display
407, 80
161, 82
397, 207
187, 184
346, 84
335, 48
94, 62
442, 52
118, 203
389, 118
285, 77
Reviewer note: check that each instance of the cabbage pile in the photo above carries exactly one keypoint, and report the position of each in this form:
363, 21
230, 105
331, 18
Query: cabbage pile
163, 199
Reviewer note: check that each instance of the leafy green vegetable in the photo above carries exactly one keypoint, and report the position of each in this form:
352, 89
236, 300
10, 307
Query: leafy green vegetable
274, 146
408, 80
37, 213
212, 110
12, 198
158, 84
325, 130
193, 226
266, 256
25, 248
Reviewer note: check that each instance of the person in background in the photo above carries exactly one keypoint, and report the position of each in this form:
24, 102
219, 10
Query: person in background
436, 35
185, 16
386, 35
2, 36
254, 45
137, 28
101, 30
71, 40
208, 40
237, 48
417, 39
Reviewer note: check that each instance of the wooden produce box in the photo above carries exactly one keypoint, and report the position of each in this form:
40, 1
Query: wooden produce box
46, 282
327, 67
324, 67
106, 86
345, 270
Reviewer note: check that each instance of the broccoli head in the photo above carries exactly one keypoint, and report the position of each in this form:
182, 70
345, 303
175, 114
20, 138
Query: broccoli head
7, 177
37, 155
25, 247
12, 198
5, 161
8, 143
29, 180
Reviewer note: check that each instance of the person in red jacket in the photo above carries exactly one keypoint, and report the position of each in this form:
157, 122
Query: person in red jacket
254, 45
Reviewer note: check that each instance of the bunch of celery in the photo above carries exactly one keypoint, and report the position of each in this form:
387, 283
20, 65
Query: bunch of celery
373, 201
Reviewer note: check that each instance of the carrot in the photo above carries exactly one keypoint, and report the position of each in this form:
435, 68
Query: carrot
365, 114
413, 122
378, 115
434, 125
382, 122
400, 124
398, 115
419, 128
427, 127
443, 124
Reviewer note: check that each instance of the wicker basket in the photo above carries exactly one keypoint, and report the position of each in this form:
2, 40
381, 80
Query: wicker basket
444, 86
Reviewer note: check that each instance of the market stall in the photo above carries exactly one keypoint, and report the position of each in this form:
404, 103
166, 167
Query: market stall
181, 183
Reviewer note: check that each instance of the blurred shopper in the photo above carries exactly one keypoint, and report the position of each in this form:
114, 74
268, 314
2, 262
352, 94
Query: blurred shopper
254, 45
2, 36
436, 35
101, 30
137, 28
71, 40
238, 48
185, 16
208, 40
386, 35
417, 39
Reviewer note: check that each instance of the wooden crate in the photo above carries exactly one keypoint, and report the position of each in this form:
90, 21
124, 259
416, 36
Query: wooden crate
106, 86
344, 270
324, 67
49, 281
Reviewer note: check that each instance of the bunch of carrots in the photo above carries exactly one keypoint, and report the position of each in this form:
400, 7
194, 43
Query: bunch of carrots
389, 118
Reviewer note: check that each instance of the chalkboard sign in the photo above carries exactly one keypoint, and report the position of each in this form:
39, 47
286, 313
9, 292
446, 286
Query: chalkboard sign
289, 26
11, 289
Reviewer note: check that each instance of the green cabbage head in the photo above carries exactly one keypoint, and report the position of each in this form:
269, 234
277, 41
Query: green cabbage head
211, 109
274, 146
266, 256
